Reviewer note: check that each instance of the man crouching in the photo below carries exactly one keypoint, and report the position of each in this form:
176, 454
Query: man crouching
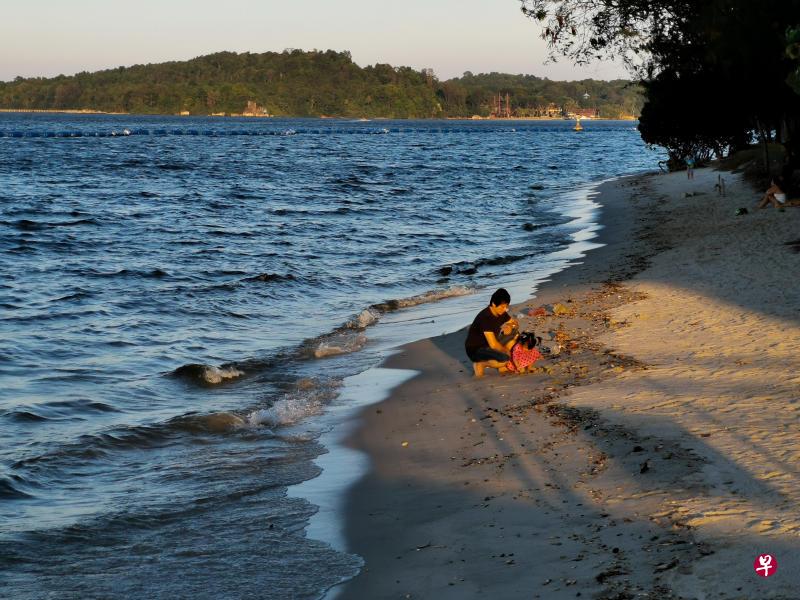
483, 345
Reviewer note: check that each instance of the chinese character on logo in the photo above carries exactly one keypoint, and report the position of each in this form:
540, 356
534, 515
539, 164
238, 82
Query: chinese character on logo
765, 565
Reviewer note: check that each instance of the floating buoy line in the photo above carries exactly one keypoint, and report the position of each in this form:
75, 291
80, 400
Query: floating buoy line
162, 132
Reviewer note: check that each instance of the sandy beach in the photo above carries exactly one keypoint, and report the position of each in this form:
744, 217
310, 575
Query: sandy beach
655, 457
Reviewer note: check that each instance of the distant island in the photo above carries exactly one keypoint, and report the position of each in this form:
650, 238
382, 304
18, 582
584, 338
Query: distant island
300, 83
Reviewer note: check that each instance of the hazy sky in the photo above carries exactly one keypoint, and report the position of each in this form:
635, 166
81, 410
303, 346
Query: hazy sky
48, 37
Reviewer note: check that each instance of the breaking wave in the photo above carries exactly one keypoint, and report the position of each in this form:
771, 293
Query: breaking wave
309, 398
350, 337
424, 298
206, 374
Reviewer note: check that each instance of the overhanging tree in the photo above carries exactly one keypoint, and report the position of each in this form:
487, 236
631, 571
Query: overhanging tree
715, 72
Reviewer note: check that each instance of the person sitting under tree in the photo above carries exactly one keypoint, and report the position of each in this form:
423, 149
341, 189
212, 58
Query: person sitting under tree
775, 194
483, 345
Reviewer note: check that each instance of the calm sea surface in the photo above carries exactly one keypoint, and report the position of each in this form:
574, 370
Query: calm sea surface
177, 312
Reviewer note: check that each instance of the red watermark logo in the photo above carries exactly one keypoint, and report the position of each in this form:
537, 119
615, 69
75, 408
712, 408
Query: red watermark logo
765, 565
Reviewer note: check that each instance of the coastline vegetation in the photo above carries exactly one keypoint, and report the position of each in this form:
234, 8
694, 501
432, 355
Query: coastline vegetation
314, 83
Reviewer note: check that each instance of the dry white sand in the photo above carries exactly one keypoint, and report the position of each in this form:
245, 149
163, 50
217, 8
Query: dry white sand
720, 329
657, 460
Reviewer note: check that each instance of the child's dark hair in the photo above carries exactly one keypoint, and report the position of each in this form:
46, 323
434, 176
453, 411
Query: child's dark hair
501, 296
529, 340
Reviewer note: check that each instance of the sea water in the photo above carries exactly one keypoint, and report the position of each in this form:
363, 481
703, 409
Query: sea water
178, 313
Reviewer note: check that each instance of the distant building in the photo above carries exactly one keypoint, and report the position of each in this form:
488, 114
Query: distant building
184, 113
550, 111
585, 113
254, 110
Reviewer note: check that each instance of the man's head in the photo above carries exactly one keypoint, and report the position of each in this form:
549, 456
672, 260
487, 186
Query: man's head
500, 301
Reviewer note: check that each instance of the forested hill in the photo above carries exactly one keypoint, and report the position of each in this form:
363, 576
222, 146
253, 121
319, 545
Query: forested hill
298, 83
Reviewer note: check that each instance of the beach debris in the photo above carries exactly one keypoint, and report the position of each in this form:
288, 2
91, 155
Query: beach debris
404, 444
741, 211
538, 312
559, 309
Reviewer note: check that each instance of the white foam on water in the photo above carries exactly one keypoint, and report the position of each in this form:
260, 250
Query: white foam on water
309, 398
339, 343
435, 296
286, 412
364, 319
216, 375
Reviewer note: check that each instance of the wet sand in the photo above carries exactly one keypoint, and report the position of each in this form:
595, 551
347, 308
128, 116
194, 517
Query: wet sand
655, 457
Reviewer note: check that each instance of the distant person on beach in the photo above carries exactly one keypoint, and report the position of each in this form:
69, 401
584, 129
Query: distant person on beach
775, 194
483, 345
690, 167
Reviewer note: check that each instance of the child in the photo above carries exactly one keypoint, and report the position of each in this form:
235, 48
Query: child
524, 353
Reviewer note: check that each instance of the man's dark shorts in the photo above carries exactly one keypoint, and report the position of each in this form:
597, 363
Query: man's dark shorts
484, 354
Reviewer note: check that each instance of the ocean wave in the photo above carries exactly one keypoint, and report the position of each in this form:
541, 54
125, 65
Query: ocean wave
336, 343
155, 273
208, 423
10, 488
77, 295
367, 317
350, 338
98, 446
309, 398
57, 411
471, 267
270, 277
206, 374
80, 404
28, 225
26, 416
175, 166
424, 298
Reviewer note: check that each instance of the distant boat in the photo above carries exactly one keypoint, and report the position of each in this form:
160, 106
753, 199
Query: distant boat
578, 126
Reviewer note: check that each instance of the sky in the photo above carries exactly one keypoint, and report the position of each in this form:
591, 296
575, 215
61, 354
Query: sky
44, 38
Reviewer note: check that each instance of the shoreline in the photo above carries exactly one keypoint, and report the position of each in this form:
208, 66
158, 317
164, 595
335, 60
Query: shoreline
465, 508
342, 466
88, 111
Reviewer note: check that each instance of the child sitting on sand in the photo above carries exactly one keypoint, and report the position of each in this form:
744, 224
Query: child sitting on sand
524, 353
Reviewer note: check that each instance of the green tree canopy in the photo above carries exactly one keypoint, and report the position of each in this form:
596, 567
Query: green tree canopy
723, 59
298, 83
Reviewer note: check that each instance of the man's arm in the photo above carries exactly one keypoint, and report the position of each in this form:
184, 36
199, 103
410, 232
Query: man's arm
493, 343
